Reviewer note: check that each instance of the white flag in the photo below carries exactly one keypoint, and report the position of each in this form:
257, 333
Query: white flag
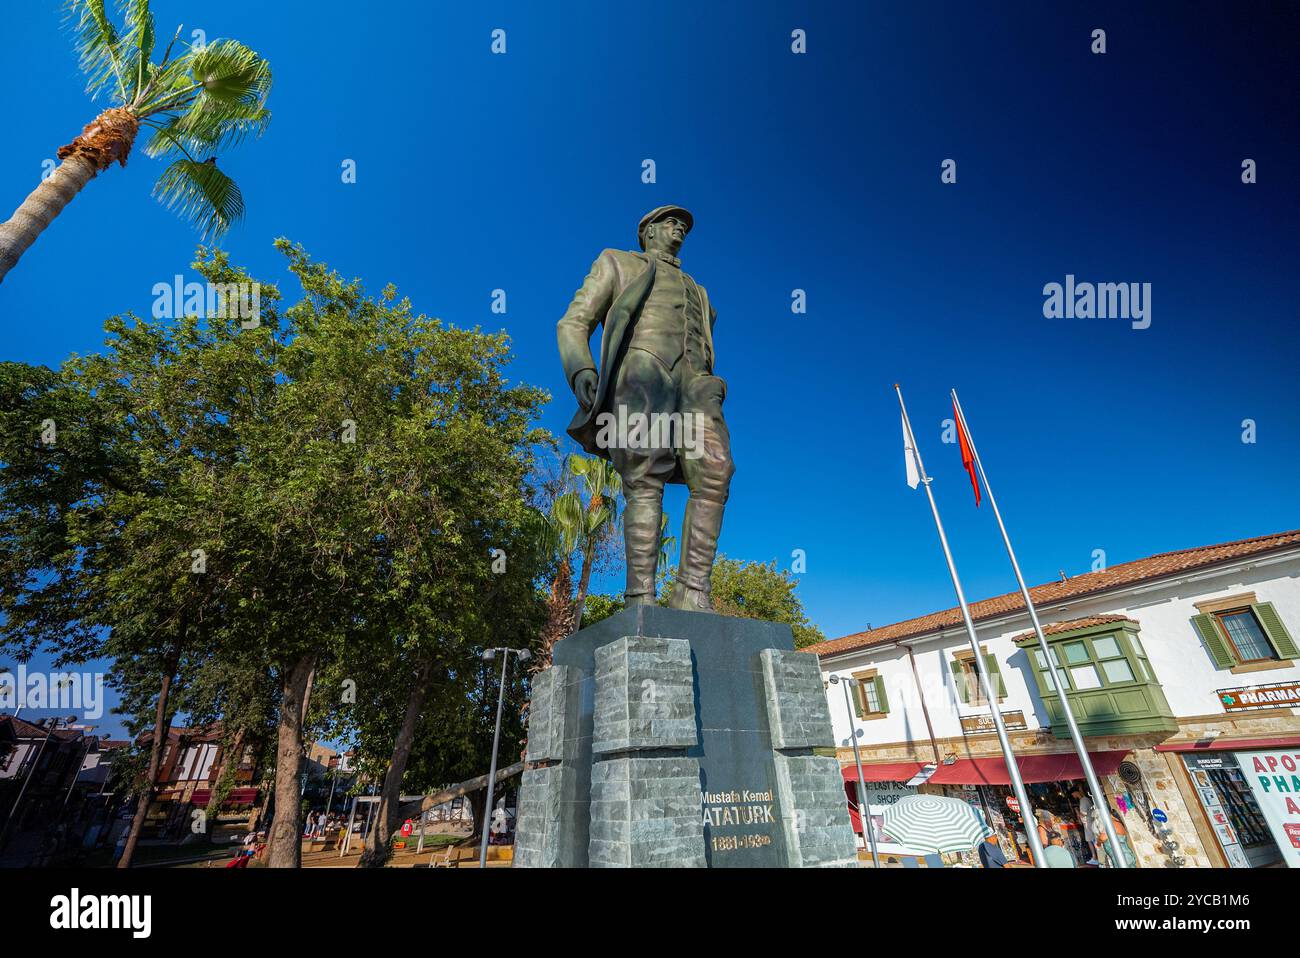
909, 454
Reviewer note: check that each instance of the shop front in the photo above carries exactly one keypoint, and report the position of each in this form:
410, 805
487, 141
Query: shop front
1055, 785
1248, 792
1056, 789
883, 784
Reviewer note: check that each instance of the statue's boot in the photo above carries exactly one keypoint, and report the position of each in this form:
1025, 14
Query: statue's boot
700, 531
642, 519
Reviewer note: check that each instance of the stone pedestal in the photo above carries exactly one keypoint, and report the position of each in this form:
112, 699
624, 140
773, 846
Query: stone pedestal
661, 738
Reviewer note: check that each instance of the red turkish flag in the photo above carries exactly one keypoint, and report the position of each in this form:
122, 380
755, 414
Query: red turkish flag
967, 455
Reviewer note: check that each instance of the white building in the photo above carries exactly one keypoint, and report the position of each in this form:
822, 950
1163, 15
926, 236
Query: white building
1184, 676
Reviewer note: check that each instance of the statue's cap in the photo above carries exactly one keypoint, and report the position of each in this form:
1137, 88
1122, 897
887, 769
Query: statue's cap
658, 213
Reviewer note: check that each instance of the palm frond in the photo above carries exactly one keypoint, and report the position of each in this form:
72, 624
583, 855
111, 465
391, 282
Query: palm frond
211, 130
201, 194
567, 520
98, 46
229, 72
140, 37
596, 519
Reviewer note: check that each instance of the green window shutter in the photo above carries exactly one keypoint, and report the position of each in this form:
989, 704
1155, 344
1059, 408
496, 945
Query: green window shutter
880, 693
1275, 630
1214, 641
995, 676
858, 698
963, 687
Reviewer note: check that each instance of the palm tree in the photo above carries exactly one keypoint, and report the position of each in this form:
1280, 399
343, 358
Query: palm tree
207, 98
589, 523
570, 525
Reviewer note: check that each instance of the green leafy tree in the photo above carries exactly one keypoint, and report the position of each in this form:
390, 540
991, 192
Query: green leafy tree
759, 590
405, 464
601, 607
246, 503
116, 485
201, 100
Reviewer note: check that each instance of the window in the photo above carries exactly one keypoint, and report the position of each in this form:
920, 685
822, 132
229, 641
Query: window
1108, 682
975, 691
969, 688
869, 699
1094, 663
1244, 635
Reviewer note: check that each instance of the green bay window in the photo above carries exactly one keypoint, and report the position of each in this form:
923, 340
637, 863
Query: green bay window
1111, 686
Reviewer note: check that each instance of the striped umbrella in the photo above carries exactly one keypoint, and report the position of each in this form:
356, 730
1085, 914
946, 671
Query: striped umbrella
934, 823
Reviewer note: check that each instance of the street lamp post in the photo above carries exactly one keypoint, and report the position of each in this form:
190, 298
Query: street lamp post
488, 656
864, 809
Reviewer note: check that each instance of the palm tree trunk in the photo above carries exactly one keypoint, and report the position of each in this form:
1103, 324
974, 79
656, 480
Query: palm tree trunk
378, 843
284, 847
160, 730
39, 209
559, 615
588, 555
107, 138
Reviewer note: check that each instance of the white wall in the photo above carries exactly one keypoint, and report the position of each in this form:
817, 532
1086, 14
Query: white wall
1181, 663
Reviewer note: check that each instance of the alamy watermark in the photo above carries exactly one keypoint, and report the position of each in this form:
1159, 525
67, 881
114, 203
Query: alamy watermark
656, 430
242, 301
1071, 300
75, 691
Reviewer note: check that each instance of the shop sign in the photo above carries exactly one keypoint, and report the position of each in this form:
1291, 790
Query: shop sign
1247, 697
1013, 803
1274, 777
1199, 766
1159, 815
886, 793
978, 724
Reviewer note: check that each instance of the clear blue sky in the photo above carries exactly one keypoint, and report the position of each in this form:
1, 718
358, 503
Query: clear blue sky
821, 172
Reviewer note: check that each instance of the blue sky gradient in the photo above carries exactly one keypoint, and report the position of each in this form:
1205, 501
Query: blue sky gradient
819, 172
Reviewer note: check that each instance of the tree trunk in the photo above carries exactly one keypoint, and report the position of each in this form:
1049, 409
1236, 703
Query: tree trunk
284, 847
588, 555
559, 615
477, 800
378, 842
106, 139
160, 730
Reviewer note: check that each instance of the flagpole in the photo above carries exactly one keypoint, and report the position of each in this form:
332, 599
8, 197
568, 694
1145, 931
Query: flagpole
1114, 851
981, 670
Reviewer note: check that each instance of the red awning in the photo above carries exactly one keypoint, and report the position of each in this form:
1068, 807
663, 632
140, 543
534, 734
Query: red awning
881, 771
1033, 768
1232, 745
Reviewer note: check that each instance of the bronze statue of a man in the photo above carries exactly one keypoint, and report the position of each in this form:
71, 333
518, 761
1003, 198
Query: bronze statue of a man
656, 362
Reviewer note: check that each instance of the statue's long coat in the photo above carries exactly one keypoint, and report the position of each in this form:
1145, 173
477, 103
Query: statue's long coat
611, 296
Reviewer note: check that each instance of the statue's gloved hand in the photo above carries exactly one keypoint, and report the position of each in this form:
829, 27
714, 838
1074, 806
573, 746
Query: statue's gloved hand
584, 387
